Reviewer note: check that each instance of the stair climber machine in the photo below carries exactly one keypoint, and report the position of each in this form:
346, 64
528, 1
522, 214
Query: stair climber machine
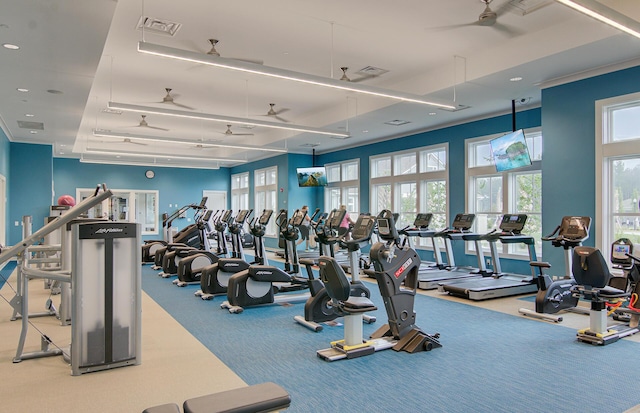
215, 277
554, 297
266, 284
150, 247
429, 280
191, 265
496, 283
396, 270
187, 236
320, 308
196, 238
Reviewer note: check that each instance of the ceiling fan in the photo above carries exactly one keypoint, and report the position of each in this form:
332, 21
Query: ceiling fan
276, 113
229, 132
125, 140
489, 18
143, 124
212, 51
170, 99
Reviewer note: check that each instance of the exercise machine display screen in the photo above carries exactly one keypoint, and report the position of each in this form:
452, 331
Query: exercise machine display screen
513, 223
421, 221
242, 216
226, 217
265, 217
298, 218
619, 250
463, 222
336, 217
363, 228
575, 227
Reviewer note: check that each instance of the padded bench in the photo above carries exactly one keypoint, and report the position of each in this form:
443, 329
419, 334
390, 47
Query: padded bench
264, 397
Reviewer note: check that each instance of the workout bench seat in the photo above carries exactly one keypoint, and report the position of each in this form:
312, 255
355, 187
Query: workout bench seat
264, 397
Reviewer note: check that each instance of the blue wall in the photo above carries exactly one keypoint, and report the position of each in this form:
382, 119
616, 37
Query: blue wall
568, 164
455, 136
175, 185
30, 186
5, 149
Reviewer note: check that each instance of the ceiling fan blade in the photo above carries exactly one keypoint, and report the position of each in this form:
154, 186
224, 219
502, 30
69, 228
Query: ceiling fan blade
183, 106
508, 30
154, 127
281, 119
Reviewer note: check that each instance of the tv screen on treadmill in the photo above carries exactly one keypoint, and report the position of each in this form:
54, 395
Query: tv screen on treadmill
510, 151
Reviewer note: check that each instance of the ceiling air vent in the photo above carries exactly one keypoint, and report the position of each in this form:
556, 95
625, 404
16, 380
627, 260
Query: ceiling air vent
158, 26
397, 122
30, 125
371, 71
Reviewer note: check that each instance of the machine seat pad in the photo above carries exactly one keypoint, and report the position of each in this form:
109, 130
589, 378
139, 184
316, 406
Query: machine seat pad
358, 305
308, 261
268, 273
264, 397
163, 408
610, 292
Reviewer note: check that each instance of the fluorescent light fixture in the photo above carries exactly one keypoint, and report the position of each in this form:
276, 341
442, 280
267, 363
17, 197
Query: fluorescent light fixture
191, 165
108, 134
219, 118
605, 14
160, 155
248, 67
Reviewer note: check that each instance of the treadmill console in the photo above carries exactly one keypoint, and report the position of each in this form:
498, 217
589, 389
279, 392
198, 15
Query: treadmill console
422, 220
226, 217
463, 222
513, 223
242, 216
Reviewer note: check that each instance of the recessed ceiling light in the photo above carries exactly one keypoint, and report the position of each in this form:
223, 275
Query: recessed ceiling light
29, 115
33, 132
62, 145
21, 89
515, 79
365, 131
54, 92
10, 46
432, 114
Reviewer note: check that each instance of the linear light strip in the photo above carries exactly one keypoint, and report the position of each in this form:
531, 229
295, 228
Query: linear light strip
151, 155
83, 159
219, 118
248, 67
107, 134
605, 14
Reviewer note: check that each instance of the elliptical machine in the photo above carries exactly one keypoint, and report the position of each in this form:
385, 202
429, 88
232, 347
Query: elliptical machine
258, 284
215, 277
556, 296
319, 307
396, 270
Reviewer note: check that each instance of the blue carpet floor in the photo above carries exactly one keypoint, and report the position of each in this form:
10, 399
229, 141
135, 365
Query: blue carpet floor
489, 362
6, 271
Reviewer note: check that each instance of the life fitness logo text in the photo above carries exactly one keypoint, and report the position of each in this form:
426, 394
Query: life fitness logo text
406, 265
108, 230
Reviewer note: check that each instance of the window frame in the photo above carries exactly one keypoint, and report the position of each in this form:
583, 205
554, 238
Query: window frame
508, 188
608, 151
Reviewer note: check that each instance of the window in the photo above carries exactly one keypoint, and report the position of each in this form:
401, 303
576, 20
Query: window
130, 205
266, 195
240, 191
618, 169
343, 187
492, 194
411, 182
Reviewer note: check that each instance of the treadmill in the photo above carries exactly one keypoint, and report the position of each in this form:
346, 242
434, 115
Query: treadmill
421, 229
440, 272
498, 284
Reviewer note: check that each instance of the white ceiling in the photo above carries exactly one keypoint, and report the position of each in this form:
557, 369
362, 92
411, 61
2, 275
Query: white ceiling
88, 51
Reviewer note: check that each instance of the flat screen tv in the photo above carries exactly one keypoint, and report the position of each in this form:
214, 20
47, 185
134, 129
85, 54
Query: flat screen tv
510, 151
311, 177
